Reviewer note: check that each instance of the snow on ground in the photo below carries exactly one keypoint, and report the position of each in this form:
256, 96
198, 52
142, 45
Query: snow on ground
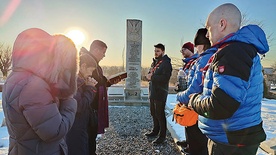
268, 115
4, 136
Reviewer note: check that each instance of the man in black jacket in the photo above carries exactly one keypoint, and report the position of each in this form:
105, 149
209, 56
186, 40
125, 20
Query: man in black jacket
159, 76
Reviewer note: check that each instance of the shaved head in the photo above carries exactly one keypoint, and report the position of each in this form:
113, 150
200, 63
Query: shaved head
224, 19
229, 12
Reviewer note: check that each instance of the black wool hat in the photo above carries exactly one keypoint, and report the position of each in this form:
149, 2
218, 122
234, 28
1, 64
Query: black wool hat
200, 37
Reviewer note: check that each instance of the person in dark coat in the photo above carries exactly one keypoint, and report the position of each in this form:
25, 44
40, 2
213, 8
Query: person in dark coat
37, 96
77, 138
100, 103
159, 76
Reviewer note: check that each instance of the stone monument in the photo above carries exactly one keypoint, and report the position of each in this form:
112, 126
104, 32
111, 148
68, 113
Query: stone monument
133, 60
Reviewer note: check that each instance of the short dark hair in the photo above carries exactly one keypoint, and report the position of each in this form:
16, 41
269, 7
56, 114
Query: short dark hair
97, 44
161, 46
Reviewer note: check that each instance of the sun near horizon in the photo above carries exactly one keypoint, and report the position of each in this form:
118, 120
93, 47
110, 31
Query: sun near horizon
76, 35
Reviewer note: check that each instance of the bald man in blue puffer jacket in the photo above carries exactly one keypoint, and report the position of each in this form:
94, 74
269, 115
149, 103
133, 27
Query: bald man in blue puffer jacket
230, 105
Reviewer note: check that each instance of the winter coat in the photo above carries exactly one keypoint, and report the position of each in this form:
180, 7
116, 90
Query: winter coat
230, 105
188, 62
159, 83
100, 102
195, 74
77, 137
103, 116
36, 95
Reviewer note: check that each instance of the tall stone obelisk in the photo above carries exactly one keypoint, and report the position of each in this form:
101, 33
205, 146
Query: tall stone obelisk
133, 59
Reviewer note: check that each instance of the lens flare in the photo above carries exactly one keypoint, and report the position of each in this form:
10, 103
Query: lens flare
9, 11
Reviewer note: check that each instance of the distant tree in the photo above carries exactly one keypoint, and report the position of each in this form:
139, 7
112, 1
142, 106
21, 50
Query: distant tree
144, 72
176, 64
246, 20
274, 66
111, 70
272, 77
5, 59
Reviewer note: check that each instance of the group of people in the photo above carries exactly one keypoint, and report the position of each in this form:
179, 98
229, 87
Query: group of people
55, 98
224, 86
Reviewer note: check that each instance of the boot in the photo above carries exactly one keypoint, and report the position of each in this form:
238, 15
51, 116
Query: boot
183, 143
151, 134
159, 140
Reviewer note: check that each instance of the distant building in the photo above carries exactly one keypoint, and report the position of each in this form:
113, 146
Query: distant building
268, 70
270, 77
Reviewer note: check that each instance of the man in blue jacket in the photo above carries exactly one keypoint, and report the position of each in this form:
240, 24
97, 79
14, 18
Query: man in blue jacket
189, 56
230, 105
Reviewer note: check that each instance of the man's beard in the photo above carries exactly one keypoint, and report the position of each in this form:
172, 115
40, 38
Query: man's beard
158, 57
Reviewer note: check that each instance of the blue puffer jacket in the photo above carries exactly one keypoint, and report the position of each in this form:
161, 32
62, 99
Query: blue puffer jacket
195, 76
230, 105
187, 62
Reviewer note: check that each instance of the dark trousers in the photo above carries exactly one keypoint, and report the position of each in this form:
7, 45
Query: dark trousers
92, 133
157, 110
218, 149
197, 140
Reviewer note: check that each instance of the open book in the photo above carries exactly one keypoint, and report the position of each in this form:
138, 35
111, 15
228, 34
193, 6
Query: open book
116, 77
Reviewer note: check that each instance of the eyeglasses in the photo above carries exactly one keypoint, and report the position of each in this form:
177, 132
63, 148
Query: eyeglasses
183, 50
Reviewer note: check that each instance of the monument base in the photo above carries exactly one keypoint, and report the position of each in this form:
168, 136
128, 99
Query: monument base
132, 94
118, 95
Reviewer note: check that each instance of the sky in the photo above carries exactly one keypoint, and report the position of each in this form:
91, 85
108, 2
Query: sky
177, 131
163, 21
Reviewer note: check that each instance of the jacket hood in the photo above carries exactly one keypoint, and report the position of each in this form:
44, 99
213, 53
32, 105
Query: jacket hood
52, 58
33, 52
166, 58
251, 34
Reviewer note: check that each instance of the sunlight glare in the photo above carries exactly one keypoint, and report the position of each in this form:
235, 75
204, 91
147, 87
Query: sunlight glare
10, 9
76, 35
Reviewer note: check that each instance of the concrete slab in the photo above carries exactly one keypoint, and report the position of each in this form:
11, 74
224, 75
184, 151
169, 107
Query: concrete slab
175, 130
269, 146
174, 135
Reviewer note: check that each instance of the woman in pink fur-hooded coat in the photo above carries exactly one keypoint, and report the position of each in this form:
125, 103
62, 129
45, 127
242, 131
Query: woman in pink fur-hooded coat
38, 95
